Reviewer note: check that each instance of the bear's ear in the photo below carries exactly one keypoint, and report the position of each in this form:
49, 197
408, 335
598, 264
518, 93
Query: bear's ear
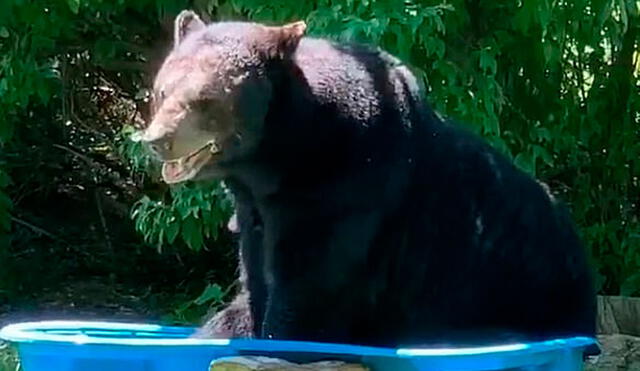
284, 40
186, 22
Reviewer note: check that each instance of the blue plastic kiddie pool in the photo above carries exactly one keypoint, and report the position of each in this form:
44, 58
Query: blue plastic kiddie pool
105, 346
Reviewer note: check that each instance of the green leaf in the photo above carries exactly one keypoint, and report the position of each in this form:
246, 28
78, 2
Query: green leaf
415, 23
191, 233
624, 17
524, 161
183, 307
211, 293
4, 32
547, 49
159, 239
74, 5
544, 15
488, 61
633, 8
524, 17
602, 9
543, 134
435, 47
543, 154
172, 230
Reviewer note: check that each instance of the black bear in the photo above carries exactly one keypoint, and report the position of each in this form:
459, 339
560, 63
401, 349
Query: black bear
364, 217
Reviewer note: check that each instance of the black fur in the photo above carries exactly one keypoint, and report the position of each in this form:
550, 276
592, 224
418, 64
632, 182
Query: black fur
366, 219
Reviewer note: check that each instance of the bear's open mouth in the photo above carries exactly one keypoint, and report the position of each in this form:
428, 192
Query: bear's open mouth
187, 167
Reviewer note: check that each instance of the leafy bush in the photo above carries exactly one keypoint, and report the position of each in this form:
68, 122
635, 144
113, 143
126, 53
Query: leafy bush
72, 81
552, 84
196, 212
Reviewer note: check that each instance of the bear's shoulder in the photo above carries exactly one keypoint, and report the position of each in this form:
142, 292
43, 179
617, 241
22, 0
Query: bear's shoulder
353, 59
357, 79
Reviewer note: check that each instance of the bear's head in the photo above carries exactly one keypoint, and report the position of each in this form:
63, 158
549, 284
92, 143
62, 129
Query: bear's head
212, 93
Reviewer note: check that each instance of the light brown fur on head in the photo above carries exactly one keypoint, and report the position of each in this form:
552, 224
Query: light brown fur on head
211, 91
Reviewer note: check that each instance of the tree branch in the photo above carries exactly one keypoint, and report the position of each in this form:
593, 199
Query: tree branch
34, 228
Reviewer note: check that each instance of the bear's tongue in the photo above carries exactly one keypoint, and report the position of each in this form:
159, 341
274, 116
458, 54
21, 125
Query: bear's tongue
184, 168
187, 167
172, 171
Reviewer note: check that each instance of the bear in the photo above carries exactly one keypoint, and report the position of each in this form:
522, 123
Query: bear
364, 217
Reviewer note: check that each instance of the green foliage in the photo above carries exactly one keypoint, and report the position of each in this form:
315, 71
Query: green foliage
72, 74
194, 212
551, 83
135, 152
191, 311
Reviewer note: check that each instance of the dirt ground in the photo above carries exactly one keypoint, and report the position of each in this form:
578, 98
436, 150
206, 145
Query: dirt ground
93, 300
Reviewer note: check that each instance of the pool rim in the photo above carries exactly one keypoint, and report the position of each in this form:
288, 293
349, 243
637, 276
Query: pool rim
30, 333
